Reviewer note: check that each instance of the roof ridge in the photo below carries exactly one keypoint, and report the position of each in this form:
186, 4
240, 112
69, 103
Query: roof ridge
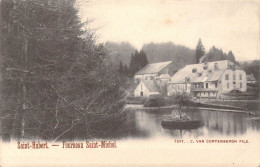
207, 62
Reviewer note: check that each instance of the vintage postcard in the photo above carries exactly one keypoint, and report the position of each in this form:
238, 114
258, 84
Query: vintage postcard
129, 83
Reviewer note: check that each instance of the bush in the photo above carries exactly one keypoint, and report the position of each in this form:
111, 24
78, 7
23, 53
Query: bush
156, 101
135, 100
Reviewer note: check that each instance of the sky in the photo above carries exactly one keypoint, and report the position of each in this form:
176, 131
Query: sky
229, 25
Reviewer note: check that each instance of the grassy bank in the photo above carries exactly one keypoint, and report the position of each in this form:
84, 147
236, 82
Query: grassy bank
135, 100
253, 105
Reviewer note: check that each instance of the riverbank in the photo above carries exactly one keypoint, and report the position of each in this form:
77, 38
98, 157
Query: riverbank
141, 107
249, 105
197, 105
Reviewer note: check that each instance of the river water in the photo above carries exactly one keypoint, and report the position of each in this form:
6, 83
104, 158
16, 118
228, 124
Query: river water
146, 143
147, 124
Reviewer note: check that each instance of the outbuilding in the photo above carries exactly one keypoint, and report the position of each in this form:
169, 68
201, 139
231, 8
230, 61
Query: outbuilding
146, 88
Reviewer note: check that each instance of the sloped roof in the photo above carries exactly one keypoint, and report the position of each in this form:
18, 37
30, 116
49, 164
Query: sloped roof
150, 85
250, 77
153, 68
165, 76
209, 74
215, 75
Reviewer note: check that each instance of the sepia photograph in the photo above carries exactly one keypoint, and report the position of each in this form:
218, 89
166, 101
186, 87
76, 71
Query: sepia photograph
130, 83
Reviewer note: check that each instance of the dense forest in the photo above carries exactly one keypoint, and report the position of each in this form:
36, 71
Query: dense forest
120, 52
159, 52
155, 52
56, 81
180, 55
252, 67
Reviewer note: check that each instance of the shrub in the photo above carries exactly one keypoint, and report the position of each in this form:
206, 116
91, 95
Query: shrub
156, 101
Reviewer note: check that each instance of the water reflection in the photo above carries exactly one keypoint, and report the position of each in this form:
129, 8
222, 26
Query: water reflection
215, 123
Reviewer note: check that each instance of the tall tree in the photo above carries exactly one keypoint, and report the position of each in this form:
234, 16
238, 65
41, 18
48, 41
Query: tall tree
56, 81
131, 69
125, 70
200, 51
143, 59
216, 54
121, 68
231, 57
138, 61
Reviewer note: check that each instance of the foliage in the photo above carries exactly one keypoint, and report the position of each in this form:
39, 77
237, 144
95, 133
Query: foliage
121, 68
180, 98
179, 55
215, 54
57, 82
252, 68
138, 61
157, 101
135, 100
200, 51
231, 57
119, 52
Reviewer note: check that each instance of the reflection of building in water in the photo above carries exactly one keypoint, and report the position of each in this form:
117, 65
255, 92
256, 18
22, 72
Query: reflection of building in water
132, 126
255, 124
225, 123
148, 124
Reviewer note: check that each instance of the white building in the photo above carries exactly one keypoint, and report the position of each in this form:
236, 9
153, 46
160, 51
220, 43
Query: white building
150, 71
209, 80
146, 88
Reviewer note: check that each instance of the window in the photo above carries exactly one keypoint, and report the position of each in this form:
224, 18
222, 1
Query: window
194, 70
234, 76
227, 77
142, 93
185, 86
205, 67
240, 76
216, 84
215, 66
241, 85
227, 85
207, 85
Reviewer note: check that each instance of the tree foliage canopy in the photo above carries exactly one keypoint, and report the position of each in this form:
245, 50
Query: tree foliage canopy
56, 80
200, 51
215, 54
138, 61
